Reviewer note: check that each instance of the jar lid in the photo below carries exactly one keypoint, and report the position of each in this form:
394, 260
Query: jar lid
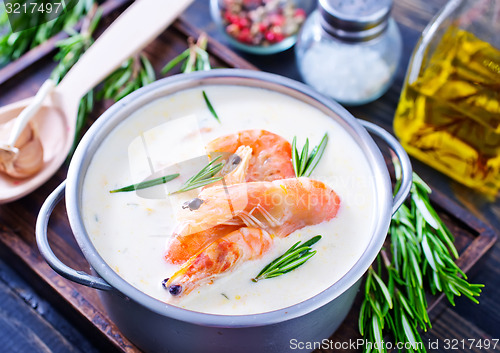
355, 20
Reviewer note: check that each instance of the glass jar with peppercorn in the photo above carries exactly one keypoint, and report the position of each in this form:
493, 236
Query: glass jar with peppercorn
261, 26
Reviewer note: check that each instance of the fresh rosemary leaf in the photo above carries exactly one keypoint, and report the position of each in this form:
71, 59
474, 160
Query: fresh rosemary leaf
175, 61
361, 318
316, 155
423, 208
377, 333
146, 184
305, 163
295, 156
304, 157
312, 241
204, 177
408, 330
294, 257
203, 62
428, 253
148, 72
383, 289
210, 107
404, 304
419, 183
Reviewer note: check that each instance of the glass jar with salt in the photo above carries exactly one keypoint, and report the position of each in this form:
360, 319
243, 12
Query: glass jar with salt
349, 49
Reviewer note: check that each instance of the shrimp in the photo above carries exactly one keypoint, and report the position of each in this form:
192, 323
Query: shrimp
180, 248
271, 153
279, 207
260, 156
219, 257
261, 210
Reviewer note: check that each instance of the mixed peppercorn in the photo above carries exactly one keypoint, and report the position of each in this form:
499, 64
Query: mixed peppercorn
261, 22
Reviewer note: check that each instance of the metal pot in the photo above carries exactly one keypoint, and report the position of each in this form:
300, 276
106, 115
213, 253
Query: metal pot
158, 327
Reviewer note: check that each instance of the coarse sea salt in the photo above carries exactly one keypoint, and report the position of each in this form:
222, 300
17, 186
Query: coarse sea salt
347, 73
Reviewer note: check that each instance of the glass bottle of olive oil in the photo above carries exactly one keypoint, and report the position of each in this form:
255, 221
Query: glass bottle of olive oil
449, 112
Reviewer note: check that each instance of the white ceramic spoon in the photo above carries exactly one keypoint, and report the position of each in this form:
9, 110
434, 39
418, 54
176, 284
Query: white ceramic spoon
55, 117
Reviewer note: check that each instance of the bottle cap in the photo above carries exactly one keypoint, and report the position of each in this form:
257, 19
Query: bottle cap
355, 20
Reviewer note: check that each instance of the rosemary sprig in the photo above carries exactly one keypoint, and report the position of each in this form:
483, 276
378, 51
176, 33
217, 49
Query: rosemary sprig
73, 47
70, 51
204, 177
147, 183
210, 106
305, 163
13, 45
194, 58
294, 257
421, 256
134, 73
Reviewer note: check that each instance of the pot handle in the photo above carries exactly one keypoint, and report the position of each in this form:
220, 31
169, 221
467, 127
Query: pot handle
44, 247
404, 161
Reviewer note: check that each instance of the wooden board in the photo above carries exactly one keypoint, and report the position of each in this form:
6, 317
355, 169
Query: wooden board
81, 304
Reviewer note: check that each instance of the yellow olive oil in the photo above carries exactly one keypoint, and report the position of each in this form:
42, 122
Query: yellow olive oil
450, 116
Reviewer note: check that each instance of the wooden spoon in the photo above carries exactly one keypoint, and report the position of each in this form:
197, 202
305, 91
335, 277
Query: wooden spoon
55, 119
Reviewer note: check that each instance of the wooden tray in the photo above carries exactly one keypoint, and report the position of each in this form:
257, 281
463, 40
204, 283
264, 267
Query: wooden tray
81, 304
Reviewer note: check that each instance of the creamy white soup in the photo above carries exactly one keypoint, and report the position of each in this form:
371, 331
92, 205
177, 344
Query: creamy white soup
130, 229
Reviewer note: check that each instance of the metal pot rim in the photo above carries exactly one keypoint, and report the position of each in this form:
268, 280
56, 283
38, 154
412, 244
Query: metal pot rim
122, 109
